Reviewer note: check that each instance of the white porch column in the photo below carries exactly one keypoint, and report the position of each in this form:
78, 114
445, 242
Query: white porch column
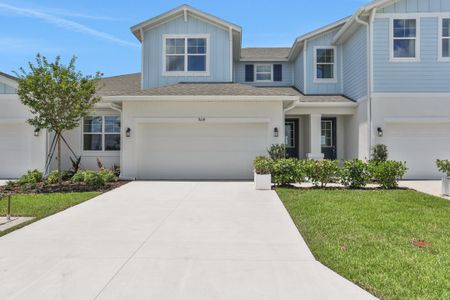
315, 132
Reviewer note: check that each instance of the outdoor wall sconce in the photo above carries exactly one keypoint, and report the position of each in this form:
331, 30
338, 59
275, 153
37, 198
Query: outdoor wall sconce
128, 132
380, 132
275, 132
36, 132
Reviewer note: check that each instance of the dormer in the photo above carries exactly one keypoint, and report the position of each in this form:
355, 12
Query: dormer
187, 45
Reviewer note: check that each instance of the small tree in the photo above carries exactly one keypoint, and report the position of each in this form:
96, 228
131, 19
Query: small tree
58, 96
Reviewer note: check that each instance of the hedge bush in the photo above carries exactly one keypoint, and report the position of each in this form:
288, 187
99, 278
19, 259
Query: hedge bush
31, 177
287, 171
53, 177
444, 167
263, 165
387, 173
322, 172
380, 152
355, 174
277, 151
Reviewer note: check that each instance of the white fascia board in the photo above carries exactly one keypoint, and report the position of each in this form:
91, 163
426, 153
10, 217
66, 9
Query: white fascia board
264, 59
196, 120
411, 95
327, 104
202, 98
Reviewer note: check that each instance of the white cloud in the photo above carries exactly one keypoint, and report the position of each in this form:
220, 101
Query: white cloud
64, 23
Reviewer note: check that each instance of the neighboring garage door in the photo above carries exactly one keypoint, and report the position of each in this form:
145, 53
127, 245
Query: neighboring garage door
199, 150
419, 145
15, 150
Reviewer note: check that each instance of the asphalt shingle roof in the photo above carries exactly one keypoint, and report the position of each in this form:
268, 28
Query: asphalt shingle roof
265, 53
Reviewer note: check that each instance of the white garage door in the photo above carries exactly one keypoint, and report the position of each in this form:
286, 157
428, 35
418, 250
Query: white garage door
15, 150
201, 150
419, 145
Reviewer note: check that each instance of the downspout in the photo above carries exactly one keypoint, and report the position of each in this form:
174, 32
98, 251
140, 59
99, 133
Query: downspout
369, 75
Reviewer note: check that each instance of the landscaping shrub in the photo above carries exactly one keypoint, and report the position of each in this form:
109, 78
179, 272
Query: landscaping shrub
322, 172
387, 173
53, 177
355, 174
379, 153
93, 178
277, 151
108, 176
263, 165
31, 178
443, 166
79, 176
285, 171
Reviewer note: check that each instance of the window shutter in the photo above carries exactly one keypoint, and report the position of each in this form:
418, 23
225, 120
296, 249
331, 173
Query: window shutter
249, 73
278, 72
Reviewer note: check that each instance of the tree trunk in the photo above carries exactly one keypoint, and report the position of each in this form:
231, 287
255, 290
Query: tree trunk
59, 158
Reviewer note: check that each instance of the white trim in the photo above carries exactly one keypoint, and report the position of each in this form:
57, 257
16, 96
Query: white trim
193, 98
12, 83
255, 73
249, 59
441, 38
204, 119
142, 57
413, 15
417, 120
326, 80
391, 40
326, 104
305, 69
230, 37
186, 54
411, 95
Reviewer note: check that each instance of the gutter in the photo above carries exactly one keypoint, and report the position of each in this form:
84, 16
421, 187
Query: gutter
210, 98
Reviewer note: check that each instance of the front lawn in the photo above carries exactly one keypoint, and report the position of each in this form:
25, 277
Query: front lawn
367, 236
41, 205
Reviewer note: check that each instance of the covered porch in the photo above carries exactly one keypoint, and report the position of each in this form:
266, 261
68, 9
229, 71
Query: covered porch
325, 127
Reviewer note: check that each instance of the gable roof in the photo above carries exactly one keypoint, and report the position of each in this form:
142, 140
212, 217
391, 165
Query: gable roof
180, 11
298, 43
254, 54
9, 80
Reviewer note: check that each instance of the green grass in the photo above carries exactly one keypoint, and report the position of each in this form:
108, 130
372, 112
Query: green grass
41, 205
366, 236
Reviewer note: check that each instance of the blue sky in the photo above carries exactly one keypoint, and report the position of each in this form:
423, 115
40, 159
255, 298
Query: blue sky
98, 33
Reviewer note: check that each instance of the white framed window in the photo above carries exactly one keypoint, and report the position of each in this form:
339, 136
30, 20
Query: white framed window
186, 55
404, 41
325, 64
263, 72
101, 133
444, 39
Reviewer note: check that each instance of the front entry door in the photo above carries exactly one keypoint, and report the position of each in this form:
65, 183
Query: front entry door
328, 138
291, 140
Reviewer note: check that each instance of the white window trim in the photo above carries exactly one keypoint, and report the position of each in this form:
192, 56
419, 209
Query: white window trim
325, 80
271, 72
441, 38
102, 152
391, 40
186, 72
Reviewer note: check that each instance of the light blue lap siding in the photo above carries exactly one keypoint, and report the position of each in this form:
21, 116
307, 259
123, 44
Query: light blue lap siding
355, 64
322, 88
6, 89
410, 6
286, 74
219, 52
428, 75
299, 78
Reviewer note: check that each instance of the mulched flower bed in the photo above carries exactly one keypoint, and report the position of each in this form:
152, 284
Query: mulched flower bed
66, 187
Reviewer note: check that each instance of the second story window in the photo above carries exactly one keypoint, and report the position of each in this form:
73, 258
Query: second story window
404, 40
185, 55
325, 64
263, 72
445, 40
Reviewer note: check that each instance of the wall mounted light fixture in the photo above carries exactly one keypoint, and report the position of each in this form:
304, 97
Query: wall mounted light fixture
128, 132
276, 132
36, 132
380, 132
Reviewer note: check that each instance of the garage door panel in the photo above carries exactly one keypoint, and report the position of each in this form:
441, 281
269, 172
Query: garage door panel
419, 145
15, 150
199, 151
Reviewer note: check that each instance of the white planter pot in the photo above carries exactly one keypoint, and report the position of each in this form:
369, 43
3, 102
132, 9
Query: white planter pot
263, 182
446, 186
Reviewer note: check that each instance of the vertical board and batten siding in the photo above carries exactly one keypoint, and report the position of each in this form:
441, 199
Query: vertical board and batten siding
354, 58
322, 88
6, 89
414, 6
219, 52
427, 75
286, 74
299, 78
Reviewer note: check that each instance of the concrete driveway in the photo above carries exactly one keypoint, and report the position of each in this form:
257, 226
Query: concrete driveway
168, 240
